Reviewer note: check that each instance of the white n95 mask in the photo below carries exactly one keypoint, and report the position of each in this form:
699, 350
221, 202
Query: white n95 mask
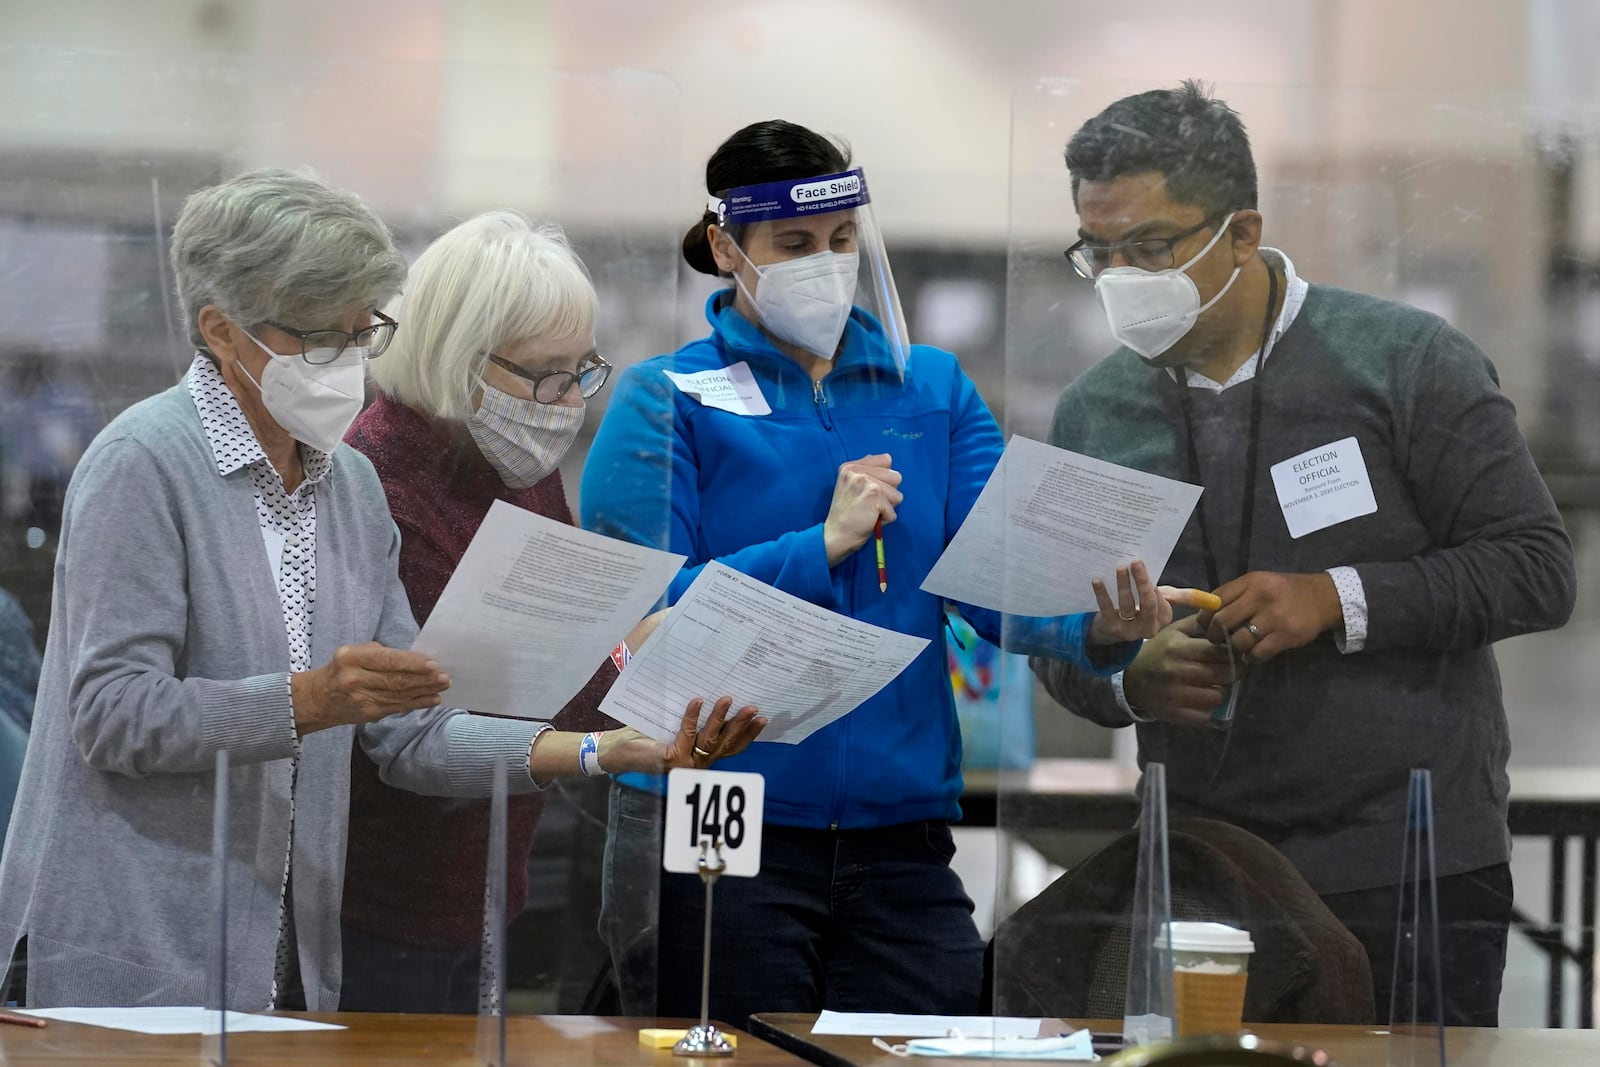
523, 440
1150, 311
807, 301
314, 403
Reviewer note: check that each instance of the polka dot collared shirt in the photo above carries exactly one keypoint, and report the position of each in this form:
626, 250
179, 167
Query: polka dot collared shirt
289, 533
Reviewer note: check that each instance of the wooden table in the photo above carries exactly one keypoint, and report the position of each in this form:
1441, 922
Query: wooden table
1556, 803
547, 1040
1350, 1046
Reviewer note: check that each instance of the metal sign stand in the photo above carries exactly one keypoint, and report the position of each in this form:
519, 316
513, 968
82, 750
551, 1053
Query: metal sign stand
706, 1039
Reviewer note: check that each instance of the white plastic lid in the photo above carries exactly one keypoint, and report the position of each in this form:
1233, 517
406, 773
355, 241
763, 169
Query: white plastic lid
1206, 937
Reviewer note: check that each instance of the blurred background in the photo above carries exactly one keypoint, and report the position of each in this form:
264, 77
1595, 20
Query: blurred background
1441, 152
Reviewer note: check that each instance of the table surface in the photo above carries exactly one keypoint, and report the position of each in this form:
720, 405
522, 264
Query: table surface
1350, 1046
568, 1040
1544, 800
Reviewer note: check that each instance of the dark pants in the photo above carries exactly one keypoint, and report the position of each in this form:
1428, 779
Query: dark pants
384, 975
851, 920
1474, 919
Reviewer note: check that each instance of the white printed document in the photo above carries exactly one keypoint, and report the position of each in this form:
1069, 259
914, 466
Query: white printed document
730, 635
164, 1020
533, 608
883, 1024
1049, 521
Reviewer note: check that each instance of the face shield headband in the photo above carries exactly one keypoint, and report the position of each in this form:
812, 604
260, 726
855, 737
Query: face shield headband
809, 302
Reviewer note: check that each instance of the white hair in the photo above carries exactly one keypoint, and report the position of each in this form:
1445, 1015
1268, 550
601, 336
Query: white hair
493, 280
280, 246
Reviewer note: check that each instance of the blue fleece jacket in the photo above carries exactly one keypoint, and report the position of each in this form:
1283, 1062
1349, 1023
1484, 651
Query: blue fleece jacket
753, 491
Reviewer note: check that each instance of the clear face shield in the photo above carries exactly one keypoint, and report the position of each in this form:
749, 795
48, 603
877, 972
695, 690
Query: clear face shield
810, 266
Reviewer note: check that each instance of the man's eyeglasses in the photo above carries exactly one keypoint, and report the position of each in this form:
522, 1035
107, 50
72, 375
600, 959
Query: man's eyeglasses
551, 385
1150, 253
325, 346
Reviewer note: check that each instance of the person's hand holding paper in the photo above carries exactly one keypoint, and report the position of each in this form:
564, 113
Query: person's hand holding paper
629, 750
803, 665
1058, 529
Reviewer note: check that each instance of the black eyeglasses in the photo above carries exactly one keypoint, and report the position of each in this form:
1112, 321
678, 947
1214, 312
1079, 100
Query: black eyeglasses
551, 385
325, 346
1150, 253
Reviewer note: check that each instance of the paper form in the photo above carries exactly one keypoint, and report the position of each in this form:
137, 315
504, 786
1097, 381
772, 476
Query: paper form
175, 1020
1048, 521
534, 607
730, 635
884, 1024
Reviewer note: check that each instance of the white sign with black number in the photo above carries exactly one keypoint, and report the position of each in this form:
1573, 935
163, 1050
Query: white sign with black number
706, 807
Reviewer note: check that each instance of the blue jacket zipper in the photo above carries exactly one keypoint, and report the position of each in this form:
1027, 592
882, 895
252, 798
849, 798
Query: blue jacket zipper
820, 400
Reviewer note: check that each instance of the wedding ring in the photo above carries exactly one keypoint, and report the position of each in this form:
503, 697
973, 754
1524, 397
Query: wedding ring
1255, 633
702, 753
1128, 618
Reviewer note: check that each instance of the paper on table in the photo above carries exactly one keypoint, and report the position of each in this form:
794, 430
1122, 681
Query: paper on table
887, 1024
1048, 521
534, 607
730, 635
175, 1020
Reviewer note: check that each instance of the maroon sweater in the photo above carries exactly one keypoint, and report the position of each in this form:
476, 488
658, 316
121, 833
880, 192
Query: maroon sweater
415, 865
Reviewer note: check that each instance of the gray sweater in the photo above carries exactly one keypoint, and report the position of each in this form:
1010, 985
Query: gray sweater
167, 644
1466, 548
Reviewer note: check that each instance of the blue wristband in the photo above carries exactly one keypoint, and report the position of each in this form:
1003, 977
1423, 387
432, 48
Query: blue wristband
589, 755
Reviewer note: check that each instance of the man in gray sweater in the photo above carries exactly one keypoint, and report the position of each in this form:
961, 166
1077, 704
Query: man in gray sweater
1372, 521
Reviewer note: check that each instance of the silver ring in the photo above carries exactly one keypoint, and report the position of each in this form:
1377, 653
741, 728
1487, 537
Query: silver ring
1255, 633
1128, 618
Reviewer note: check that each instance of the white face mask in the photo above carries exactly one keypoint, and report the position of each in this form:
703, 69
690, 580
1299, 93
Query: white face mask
314, 403
1150, 311
523, 439
807, 301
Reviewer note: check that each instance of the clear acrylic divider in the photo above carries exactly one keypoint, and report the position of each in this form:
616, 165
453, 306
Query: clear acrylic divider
1147, 1017
492, 969
1416, 1002
214, 1046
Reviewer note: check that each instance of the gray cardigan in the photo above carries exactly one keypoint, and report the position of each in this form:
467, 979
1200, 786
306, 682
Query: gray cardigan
167, 644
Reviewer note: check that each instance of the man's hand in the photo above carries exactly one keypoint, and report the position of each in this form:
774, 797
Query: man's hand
364, 683
1130, 618
1264, 613
1178, 675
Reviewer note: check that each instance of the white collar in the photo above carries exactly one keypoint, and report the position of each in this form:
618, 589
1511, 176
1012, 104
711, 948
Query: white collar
1294, 296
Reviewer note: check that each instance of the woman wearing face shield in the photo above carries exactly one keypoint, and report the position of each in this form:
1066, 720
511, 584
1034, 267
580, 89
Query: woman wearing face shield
226, 581
479, 399
777, 445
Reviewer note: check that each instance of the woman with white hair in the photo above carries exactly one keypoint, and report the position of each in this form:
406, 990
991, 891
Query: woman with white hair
480, 397
226, 580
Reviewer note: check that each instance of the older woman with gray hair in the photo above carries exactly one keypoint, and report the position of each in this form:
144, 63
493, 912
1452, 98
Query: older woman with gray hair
226, 580
480, 398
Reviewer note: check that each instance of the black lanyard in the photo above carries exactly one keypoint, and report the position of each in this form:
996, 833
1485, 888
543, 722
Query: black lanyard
1253, 445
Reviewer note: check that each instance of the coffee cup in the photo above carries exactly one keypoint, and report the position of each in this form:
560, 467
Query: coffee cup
1210, 964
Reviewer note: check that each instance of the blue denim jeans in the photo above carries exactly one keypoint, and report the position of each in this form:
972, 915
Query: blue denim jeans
852, 920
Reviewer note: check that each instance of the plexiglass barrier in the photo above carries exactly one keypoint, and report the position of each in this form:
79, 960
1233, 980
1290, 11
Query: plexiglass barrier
387, 885
1409, 260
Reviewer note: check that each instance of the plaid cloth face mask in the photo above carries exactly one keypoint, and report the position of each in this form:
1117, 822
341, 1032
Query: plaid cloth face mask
523, 440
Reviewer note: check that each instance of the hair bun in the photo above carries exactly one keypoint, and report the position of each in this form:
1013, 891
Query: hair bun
697, 248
